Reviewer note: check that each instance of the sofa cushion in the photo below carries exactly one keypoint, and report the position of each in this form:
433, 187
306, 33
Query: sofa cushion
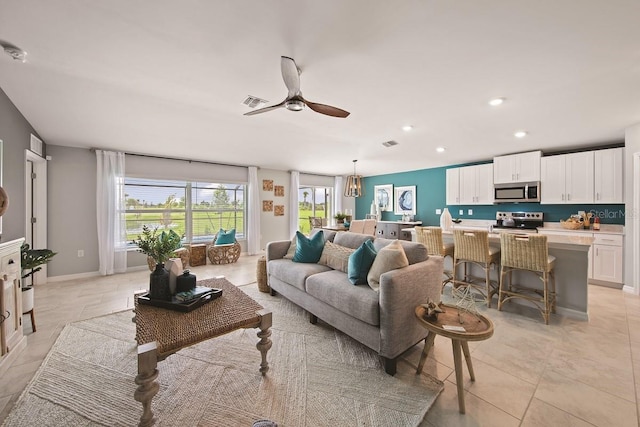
225, 237
308, 250
415, 252
360, 263
351, 240
335, 256
389, 258
292, 249
293, 273
333, 288
328, 237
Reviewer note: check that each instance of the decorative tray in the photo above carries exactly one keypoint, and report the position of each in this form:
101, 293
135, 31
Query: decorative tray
202, 294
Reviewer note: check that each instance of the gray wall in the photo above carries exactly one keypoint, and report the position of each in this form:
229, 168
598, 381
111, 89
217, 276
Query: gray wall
15, 132
72, 210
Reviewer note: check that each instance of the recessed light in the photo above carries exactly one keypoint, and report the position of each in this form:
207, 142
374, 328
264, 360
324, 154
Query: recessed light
496, 101
440, 149
520, 134
407, 128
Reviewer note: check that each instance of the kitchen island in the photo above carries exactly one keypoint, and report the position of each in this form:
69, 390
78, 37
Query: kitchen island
571, 272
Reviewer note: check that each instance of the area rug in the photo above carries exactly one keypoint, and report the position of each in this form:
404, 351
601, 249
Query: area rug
318, 377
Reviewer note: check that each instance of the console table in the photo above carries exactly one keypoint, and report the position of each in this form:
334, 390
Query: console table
11, 337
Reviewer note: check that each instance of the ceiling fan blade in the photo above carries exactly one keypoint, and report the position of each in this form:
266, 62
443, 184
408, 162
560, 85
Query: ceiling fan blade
290, 75
265, 109
327, 109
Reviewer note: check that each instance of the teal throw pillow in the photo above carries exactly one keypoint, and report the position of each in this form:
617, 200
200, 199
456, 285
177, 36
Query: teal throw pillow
308, 250
226, 237
360, 263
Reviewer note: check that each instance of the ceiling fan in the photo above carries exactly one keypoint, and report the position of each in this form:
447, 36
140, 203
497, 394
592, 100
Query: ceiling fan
294, 100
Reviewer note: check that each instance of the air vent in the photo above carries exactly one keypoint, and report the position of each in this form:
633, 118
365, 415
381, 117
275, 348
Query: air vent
389, 143
254, 101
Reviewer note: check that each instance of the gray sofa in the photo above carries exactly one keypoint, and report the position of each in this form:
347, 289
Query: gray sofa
383, 321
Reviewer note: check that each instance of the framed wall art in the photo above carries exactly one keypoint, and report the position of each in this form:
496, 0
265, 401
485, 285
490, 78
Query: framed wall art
267, 206
278, 190
384, 197
278, 210
267, 185
404, 200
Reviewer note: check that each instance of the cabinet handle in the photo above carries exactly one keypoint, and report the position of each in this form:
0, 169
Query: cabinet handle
597, 251
563, 197
597, 196
518, 175
568, 196
513, 177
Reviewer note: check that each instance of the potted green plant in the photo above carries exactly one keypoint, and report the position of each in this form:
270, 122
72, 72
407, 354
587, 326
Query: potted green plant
159, 246
340, 217
31, 261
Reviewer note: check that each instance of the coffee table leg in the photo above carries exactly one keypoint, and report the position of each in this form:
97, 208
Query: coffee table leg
457, 358
146, 380
265, 343
428, 343
467, 357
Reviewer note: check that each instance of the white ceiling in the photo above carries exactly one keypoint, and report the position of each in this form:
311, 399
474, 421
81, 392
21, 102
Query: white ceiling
169, 77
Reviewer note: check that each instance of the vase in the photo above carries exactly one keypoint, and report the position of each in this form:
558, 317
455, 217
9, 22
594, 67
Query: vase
159, 284
446, 222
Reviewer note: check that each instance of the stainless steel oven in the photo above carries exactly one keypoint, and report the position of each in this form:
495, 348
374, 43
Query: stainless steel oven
515, 193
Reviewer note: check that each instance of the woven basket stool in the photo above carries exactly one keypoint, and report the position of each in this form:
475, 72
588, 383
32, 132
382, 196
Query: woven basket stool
261, 275
224, 254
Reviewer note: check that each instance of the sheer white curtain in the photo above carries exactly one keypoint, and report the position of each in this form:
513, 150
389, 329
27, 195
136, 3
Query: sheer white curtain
253, 212
110, 204
337, 195
293, 203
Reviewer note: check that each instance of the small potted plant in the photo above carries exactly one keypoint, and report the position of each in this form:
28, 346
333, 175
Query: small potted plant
31, 260
159, 246
340, 217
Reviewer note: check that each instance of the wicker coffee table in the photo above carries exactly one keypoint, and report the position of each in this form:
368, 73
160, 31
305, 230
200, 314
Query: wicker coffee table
161, 332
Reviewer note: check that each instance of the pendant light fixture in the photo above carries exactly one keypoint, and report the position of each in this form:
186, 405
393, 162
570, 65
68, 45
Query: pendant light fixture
353, 186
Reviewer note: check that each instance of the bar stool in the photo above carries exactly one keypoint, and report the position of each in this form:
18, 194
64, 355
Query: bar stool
431, 237
472, 246
528, 253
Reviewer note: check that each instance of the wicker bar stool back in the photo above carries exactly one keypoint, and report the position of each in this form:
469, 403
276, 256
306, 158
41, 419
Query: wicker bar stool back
431, 237
528, 253
472, 246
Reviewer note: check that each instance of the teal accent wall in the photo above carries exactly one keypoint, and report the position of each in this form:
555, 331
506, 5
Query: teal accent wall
430, 195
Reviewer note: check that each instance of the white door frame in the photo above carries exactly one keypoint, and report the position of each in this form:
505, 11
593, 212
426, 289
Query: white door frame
39, 207
635, 215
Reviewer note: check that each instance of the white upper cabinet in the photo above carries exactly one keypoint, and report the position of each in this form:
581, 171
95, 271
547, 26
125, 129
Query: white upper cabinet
567, 178
608, 173
523, 167
475, 185
453, 186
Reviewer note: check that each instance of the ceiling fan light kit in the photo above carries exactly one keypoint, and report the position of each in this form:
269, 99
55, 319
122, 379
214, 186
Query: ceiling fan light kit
294, 100
353, 186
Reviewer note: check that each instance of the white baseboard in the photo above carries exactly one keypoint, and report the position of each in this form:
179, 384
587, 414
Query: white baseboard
66, 277
574, 314
53, 279
630, 289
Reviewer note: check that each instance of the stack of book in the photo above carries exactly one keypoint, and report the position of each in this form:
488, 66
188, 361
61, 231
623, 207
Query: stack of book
194, 294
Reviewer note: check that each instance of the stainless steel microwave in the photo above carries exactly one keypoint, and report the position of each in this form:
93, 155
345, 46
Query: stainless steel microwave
517, 193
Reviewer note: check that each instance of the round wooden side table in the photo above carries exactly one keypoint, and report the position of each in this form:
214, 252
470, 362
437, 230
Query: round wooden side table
448, 324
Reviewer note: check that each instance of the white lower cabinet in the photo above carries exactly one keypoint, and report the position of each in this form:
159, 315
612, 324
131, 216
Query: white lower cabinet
606, 257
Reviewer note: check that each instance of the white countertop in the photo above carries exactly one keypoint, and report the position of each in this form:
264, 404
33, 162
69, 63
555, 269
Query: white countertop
481, 224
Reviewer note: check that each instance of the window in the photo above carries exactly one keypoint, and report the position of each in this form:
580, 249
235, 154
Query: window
313, 201
196, 210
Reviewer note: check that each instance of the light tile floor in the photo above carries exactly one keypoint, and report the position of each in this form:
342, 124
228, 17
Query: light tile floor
569, 373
